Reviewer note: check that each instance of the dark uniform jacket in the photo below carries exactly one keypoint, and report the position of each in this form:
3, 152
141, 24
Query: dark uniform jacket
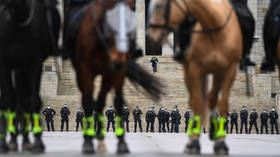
244, 114
64, 112
264, 117
234, 116
79, 116
154, 61
49, 114
273, 116
187, 115
161, 115
167, 116
125, 114
150, 116
111, 114
254, 116
174, 116
137, 114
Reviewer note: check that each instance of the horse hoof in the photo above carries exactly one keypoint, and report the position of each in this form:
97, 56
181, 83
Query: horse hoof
193, 147
38, 147
3, 146
220, 148
122, 148
13, 146
101, 147
26, 146
88, 147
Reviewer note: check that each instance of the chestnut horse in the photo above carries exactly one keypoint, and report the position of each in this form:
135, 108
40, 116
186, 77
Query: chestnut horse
98, 53
216, 48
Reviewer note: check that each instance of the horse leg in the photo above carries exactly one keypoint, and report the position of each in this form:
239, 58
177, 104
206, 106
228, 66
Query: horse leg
23, 87
193, 79
7, 102
220, 147
119, 102
85, 82
213, 100
105, 88
35, 106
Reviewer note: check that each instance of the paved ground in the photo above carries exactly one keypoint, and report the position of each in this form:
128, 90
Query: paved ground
156, 144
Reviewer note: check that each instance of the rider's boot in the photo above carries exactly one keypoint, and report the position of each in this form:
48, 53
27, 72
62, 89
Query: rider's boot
13, 129
193, 147
4, 116
26, 144
88, 133
122, 146
38, 146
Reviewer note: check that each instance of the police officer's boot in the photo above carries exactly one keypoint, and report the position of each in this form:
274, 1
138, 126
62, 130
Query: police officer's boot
4, 115
193, 147
88, 133
38, 146
13, 129
26, 144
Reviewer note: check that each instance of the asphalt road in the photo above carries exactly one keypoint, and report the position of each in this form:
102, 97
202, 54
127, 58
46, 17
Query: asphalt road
68, 144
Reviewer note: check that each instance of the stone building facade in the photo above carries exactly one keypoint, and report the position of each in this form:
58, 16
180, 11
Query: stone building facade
59, 84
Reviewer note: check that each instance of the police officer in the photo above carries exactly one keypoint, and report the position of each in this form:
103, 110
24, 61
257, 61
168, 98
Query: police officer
137, 118
161, 119
154, 62
244, 119
167, 117
49, 114
187, 117
264, 118
273, 120
125, 117
150, 119
174, 120
111, 114
233, 121
64, 112
79, 118
253, 120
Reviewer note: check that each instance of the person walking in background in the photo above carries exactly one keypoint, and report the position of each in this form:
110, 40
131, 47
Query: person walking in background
154, 62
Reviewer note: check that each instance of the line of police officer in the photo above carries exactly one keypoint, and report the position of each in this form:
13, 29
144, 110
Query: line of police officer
264, 116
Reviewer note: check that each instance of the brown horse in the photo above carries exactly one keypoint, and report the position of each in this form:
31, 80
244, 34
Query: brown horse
216, 48
97, 53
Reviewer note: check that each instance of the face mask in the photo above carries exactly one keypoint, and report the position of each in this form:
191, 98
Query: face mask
49, 107
79, 110
273, 109
264, 111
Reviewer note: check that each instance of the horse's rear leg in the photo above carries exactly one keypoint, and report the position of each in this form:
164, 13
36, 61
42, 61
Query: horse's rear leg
220, 146
105, 88
85, 83
119, 102
194, 78
23, 88
7, 102
35, 105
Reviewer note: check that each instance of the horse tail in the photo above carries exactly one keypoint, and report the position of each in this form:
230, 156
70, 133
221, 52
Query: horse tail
138, 76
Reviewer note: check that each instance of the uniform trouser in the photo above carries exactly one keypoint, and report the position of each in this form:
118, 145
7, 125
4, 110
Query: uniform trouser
226, 126
264, 125
161, 126
272, 127
256, 126
108, 125
77, 124
126, 122
243, 122
174, 127
186, 127
66, 120
167, 126
150, 123
139, 123
232, 124
154, 68
48, 124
